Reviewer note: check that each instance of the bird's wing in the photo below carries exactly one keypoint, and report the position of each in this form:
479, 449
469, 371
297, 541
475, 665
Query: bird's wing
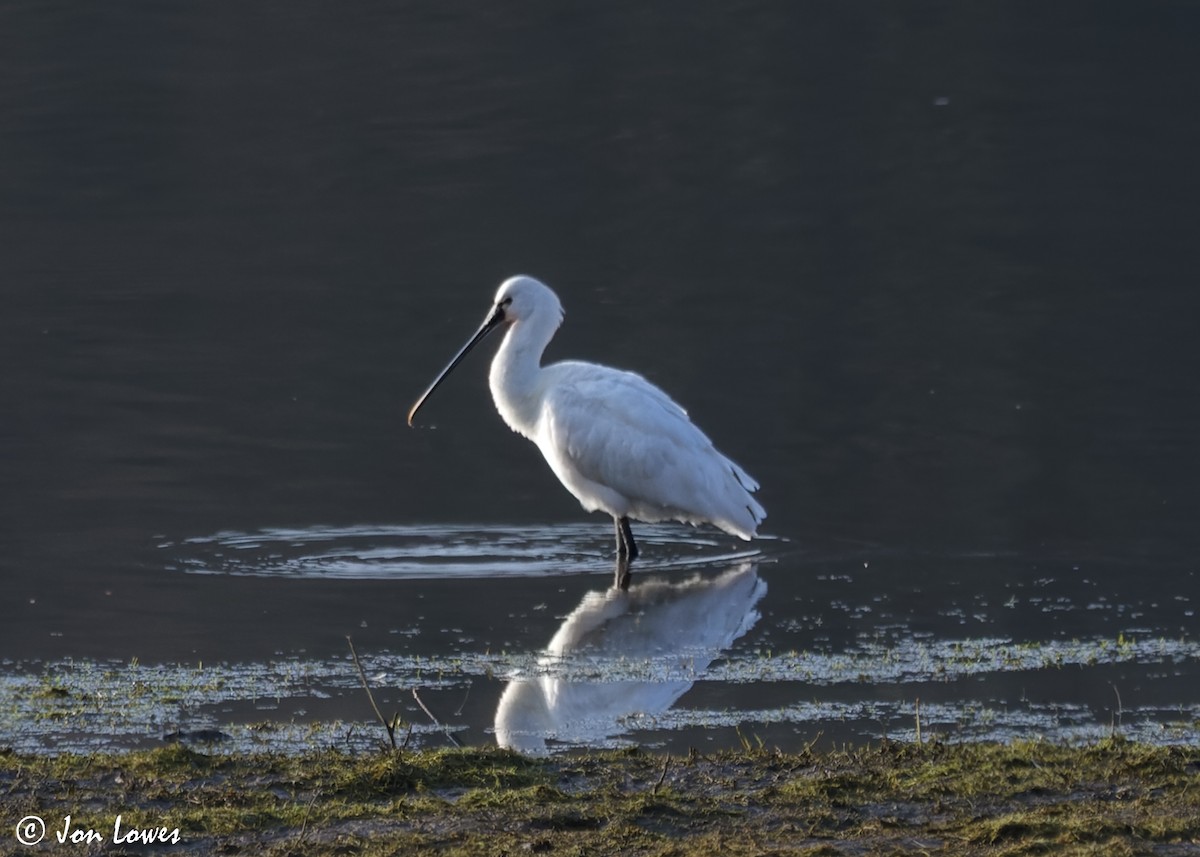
617, 425
618, 430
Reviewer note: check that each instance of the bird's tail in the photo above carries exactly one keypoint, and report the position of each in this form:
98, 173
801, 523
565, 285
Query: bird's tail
745, 513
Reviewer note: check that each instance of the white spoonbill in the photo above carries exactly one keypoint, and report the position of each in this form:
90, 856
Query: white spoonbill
617, 442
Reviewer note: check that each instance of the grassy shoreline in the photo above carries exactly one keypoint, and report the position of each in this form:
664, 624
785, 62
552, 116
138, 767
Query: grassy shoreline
1110, 798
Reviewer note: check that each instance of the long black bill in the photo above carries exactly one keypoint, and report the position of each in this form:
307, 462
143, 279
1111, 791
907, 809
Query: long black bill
494, 319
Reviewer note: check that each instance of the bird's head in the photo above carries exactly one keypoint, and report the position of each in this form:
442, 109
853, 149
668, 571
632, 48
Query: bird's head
521, 297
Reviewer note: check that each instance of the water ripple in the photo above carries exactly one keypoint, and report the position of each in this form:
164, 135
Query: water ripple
418, 551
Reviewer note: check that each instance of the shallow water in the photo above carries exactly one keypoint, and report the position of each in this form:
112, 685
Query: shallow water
705, 649
429, 551
926, 271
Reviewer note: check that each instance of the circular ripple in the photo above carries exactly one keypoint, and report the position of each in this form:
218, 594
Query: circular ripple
439, 550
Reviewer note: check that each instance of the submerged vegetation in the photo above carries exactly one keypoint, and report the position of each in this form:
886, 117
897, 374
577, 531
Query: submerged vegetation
1113, 797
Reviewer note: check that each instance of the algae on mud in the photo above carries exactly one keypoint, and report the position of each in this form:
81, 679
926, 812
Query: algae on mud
293, 702
1111, 797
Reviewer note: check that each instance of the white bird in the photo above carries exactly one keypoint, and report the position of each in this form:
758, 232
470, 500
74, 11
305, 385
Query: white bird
617, 442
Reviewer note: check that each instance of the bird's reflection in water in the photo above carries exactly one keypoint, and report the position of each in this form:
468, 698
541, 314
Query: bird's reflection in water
626, 652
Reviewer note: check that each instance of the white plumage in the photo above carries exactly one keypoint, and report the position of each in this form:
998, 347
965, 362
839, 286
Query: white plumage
617, 442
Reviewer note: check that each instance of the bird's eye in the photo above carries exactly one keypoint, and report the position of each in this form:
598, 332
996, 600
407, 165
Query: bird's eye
506, 302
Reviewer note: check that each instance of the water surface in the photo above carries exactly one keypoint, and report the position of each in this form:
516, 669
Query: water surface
927, 272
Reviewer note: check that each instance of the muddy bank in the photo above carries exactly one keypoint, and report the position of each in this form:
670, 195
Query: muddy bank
1111, 798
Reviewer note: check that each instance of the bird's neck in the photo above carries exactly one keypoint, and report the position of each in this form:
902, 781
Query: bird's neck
515, 375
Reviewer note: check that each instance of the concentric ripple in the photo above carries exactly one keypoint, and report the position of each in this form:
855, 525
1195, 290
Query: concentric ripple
440, 550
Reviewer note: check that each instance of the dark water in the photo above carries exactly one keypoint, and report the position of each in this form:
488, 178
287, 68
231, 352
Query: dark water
927, 271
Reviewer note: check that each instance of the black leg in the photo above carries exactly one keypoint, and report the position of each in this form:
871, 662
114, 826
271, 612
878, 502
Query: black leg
622, 576
626, 546
626, 552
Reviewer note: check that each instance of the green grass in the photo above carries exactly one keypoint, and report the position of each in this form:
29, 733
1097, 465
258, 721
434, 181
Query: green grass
1111, 798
